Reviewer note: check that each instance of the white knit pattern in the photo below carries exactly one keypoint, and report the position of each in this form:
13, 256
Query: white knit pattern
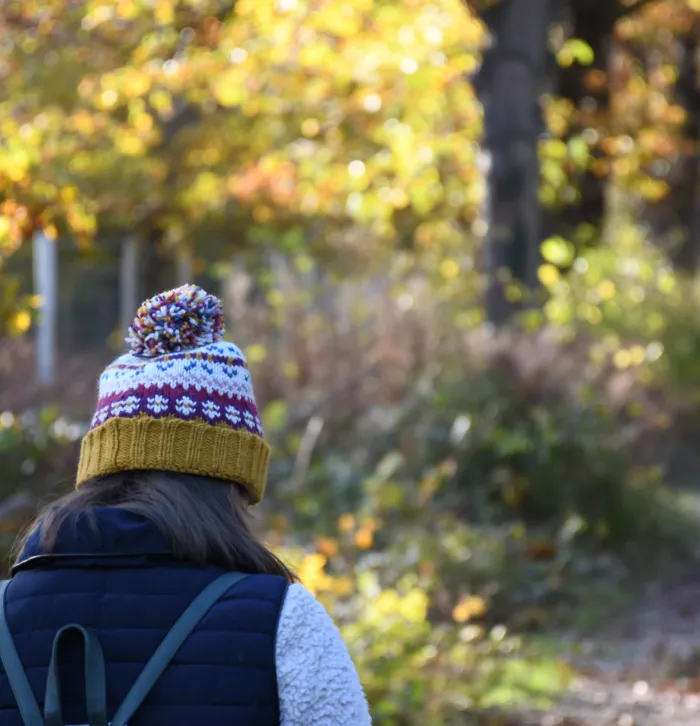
210, 384
221, 369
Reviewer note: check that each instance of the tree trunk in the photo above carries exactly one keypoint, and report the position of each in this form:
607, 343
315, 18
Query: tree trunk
509, 86
588, 89
679, 212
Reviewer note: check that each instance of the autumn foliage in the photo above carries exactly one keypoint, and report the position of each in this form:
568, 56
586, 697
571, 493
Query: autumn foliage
443, 487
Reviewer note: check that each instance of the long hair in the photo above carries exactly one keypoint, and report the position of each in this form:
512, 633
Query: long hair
205, 520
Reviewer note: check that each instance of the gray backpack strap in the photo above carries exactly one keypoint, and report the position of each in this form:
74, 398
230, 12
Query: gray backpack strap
95, 681
172, 642
94, 670
26, 702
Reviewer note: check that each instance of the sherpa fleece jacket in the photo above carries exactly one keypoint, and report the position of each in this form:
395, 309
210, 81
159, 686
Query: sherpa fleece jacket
317, 681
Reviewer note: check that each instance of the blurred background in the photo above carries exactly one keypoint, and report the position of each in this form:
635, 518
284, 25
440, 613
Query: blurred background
459, 242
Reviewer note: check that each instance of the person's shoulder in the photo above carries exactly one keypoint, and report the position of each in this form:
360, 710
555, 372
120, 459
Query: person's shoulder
259, 587
305, 619
301, 603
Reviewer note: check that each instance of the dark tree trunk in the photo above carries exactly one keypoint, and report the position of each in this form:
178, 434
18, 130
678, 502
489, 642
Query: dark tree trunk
688, 255
588, 89
509, 86
675, 221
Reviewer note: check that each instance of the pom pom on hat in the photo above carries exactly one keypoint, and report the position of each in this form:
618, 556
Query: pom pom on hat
180, 319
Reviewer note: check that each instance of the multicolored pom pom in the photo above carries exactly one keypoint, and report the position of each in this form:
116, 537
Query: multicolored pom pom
180, 319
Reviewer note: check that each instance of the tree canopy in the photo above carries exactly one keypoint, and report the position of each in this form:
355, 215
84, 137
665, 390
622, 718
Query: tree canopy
196, 117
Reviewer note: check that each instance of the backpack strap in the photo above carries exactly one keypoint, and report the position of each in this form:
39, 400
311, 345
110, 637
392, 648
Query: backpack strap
172, 642
26, 702
95, 681
94, 663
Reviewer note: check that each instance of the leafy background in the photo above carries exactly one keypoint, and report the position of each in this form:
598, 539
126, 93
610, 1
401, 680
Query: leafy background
476, 486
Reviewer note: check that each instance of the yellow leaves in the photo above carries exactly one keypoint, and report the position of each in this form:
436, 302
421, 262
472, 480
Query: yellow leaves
653, 190
449, 269
356, 77
557, 251
161, 101
413, 606
164, 12
630, 357
666, 282
5, 226
554, 148
256, 353
228, 88
606, 290
108, 99
312, 573
548, 275
21, 322
310, 127
127, 9
468, 607
339, 18
346, 523
134, 83
129, 143
83, 123
144, 123
99, 14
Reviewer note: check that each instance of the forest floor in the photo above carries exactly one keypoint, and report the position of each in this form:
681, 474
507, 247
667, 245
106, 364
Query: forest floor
641, 668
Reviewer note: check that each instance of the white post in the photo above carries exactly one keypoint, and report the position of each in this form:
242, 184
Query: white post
45, 265
128, 283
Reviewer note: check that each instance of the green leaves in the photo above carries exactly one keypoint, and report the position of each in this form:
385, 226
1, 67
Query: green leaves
557, 251
575, 50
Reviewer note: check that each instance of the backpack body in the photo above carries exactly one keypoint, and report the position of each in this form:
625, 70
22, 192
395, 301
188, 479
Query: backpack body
120, 581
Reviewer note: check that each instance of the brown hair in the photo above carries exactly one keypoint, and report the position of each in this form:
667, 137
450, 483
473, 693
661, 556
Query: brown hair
206, 521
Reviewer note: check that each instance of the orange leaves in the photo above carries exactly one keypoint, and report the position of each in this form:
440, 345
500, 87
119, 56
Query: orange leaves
346, 523
467, 608
327, 546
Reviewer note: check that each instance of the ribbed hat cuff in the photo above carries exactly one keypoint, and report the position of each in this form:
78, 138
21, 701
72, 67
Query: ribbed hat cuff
171, 444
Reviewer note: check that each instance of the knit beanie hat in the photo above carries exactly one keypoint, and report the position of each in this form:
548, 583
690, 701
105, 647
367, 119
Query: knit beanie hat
180, 400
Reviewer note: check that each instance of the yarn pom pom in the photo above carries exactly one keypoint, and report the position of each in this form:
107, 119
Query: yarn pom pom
176, 320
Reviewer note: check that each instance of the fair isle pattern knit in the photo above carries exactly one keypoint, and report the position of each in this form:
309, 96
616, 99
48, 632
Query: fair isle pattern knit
181, 400
210, 384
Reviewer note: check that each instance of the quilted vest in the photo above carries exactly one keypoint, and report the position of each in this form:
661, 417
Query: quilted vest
122, 581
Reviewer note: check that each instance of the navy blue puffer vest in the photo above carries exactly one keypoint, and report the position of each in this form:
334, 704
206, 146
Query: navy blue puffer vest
123, 582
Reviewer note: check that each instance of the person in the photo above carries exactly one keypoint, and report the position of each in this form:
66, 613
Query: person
173, 460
